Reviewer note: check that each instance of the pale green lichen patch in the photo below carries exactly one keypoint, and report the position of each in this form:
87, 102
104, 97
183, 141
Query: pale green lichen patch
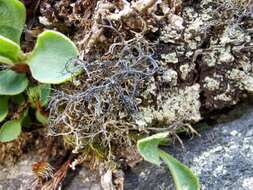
170, 58
180, 106
211, 83
170, 34
170, 76
226, 56
244, 80
185, 70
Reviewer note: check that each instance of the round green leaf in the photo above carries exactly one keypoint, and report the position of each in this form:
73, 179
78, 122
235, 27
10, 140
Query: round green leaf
27, 122
25, 119
10, 131
12, 14
50, 56
12, 83
3, 107
9, 49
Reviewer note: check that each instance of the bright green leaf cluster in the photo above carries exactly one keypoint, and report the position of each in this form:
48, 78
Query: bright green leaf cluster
33, 100
183, 177
46, 64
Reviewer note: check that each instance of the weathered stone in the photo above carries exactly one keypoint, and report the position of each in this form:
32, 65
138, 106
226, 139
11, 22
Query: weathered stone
20, 176
222, 157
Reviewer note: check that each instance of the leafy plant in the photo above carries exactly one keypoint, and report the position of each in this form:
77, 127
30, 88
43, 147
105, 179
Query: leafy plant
46, 64
183, 177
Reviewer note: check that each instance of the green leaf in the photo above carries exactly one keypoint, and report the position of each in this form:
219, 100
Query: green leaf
5, 60
50, 56
183, 177
41, 118
23, 115
33, 94
39, 94
148, 147
12, 83
9, 50
10, 131
45, 93
12, 14
3, 107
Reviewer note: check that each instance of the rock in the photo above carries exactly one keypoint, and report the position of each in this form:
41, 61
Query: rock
84, 180
20, 176
222, 157
15, 177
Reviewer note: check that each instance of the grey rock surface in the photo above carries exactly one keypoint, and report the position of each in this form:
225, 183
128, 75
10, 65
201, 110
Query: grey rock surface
16, 177
20, 177
222, 157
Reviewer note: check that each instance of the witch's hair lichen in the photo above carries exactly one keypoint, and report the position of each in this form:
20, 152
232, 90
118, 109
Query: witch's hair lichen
107, 93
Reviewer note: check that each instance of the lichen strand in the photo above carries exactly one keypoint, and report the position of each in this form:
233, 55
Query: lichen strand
150, 65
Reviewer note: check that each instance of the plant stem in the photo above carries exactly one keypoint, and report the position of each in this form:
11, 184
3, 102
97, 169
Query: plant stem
21, 68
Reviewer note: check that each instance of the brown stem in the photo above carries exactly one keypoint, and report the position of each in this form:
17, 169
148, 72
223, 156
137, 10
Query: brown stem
21, 68
40, 109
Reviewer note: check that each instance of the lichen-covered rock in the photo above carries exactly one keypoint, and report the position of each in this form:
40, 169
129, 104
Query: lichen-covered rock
222, 158
180, 105
243, 79
212, 44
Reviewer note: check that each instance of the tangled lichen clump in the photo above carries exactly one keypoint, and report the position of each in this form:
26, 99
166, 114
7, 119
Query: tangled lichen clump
152, 66
107, 90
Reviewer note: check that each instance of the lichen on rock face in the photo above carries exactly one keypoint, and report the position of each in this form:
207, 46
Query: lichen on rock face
213, 42
170, 58
243, 80
211, 83
170, 76
181, 105
194, 58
